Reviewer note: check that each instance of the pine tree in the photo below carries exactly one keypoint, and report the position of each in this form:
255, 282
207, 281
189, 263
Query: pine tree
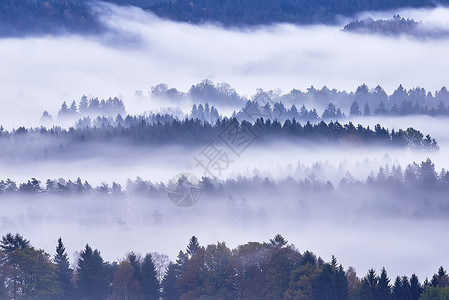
10, 243
277, 242
383, 288
397, 290
369, 286
354, 110
63, 272
366, 110
415, 287
169, 287
192, 246
149, 282
64, 109
92, 278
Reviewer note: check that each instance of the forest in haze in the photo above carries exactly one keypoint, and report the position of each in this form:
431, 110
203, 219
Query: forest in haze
22, 17
222, 149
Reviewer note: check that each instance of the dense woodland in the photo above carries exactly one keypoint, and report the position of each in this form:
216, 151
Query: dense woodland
24, 17
268, 270
394, 26
268, 11
134, 130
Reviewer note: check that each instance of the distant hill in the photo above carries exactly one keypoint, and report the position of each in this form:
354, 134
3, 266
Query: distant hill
259, 12
22, 17
31, 17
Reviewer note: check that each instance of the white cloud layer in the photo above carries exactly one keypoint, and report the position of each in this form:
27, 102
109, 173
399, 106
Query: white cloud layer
38, 73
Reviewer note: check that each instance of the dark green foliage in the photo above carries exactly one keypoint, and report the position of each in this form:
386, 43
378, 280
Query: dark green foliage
331, 282
440, 279
415, 287
277, 242
10, 243
22, 17
92, 277
192, 246
169, 286
272, 270
63, 271
234, 13
148, 281
370, 284
384, 288
26, 273
279, 261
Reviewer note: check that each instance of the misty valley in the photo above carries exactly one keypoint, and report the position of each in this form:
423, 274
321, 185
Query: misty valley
154, 149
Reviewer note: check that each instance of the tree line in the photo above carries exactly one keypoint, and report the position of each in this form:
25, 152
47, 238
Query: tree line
240, 13
402, 101
89, 107
415, 177
394, 26
208, 97
22, 17
143, 130
255, 270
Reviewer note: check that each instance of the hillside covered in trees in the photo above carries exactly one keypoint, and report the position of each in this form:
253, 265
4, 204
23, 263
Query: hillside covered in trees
255, 270
234, 13
23, 17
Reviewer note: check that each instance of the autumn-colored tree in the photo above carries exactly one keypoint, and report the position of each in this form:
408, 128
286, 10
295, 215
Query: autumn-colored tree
126, 285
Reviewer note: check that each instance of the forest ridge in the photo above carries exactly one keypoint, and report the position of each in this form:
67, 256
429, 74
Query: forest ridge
22, 17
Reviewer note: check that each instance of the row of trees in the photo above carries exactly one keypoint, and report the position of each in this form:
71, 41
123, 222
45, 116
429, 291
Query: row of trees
396, 25
93, 106
419, 177
222, 94
271, 105
196, 132
331, 112
30, 273
269, 270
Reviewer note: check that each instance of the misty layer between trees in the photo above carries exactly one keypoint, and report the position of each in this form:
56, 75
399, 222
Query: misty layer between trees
255, 270
360, 174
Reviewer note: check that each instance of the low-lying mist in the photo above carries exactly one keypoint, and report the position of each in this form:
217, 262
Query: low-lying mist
369, 222
143, 50
348, 220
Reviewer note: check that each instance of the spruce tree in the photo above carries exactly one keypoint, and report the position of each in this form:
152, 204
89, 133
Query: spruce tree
92, 278
383, 288
169, 287
149, 282
63, 272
